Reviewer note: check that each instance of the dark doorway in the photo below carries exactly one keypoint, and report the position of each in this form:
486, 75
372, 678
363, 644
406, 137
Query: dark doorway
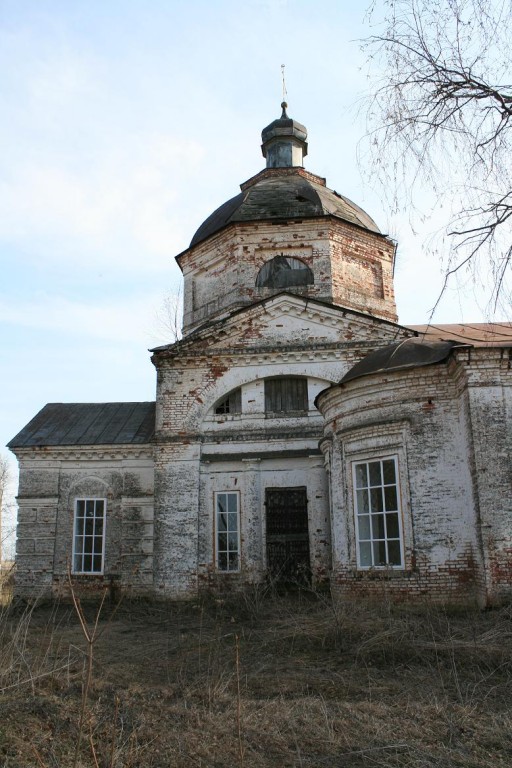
287, 535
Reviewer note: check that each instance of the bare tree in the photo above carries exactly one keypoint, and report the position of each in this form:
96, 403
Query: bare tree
170, 316
441, 115
5, 477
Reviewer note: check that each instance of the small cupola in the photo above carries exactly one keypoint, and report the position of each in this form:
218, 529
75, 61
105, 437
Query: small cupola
284, 142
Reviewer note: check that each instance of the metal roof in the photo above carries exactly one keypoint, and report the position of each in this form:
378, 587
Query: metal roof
476, 334
288, 193
409, 353
88, 424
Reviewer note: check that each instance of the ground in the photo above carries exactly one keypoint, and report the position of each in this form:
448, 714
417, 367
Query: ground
256, 680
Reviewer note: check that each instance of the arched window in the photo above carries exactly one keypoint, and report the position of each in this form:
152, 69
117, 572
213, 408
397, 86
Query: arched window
231, 403
284, 272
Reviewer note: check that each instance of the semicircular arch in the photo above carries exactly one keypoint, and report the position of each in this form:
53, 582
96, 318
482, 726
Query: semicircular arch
238, 378
284, 272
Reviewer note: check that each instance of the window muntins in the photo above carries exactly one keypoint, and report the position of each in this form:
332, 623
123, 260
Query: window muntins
89, 536
377, 509
227, 531
230, 404
284, 272
287, 395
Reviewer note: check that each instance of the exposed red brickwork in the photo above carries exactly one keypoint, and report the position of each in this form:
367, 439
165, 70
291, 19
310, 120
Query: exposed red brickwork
458, 580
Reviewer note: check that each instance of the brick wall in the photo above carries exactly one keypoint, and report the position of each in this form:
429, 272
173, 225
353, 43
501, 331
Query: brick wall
352, 267
50, 481
450, 427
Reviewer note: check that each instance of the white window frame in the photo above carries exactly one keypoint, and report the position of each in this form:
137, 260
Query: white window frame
220, 531
371, 539
79, 553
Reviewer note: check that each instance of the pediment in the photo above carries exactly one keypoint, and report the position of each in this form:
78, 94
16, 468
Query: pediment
290, 320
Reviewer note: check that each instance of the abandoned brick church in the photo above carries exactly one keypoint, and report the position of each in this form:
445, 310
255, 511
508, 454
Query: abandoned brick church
299, 432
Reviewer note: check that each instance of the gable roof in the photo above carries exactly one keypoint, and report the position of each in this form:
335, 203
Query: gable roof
88, 424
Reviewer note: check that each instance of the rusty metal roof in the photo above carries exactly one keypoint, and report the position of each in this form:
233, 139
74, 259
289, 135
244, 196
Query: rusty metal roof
289, 193
409, 353
476, 334
88, 424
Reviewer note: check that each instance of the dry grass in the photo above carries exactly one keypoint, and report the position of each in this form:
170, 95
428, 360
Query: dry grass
280, 681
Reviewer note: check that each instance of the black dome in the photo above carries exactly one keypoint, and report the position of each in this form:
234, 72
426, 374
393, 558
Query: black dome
409, 353
282, 194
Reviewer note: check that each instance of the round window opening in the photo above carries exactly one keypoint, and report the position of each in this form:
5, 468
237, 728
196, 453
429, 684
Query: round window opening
284, 272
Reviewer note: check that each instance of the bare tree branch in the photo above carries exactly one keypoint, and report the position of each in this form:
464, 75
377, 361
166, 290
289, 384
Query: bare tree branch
441, 116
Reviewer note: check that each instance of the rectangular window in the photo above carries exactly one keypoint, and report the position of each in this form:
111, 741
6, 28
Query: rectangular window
286, 395
377, 511
89, 535
227, 524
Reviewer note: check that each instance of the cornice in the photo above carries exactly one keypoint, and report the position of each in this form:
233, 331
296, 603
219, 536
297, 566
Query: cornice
286, 352
65, 453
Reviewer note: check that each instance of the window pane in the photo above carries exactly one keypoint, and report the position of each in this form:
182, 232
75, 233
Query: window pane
363, 504
233, 561
391, 498
232, 502
361, 476
374, 471
364, 526
395, 557
376, 500
222, 561
222, 542
233, 521
379, 553
89, 507
87, 544
388, 469
80, 508
222, 522
233, 542
378, 527
88, 526
392, 528
221, 502
365, 554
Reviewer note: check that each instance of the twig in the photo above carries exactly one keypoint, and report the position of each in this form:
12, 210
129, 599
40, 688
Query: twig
91, 637
239, 703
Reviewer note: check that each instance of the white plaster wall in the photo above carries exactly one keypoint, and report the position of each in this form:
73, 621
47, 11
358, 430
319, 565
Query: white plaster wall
250, 477
391, 414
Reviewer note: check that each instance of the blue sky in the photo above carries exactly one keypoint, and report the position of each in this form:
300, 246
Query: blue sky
124, 124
